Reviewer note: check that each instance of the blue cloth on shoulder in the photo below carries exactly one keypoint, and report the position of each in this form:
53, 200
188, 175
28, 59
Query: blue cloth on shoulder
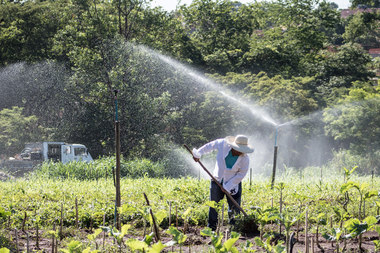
230, 160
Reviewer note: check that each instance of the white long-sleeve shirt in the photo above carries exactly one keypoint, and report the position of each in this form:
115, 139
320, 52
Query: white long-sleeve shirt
231, 177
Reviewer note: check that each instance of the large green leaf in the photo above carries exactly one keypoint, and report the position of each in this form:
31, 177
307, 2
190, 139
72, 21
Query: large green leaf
156, 248
135, 244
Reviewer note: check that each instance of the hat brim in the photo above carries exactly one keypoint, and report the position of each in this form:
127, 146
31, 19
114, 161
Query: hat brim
238, 147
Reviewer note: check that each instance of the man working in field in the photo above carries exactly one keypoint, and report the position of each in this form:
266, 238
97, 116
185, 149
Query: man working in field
232, 163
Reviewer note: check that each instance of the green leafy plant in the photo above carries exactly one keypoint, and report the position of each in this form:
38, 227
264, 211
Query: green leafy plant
348, 173
363, 193
4, 214
73, 247
118, 235
218, 207
92, 237
341, 215
145, 245
178, 237
355, 228
288, 221
247, 247
264, 216
336, 235
268, 247
216, 241
319, 220
377, 242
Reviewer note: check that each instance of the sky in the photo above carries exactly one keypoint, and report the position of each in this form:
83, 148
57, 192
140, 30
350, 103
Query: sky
170, 5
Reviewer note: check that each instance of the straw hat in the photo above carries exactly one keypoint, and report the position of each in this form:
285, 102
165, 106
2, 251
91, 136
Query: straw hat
239, 143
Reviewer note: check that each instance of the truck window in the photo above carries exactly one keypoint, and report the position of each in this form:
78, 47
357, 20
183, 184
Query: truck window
54, 152
68, 150
79, 151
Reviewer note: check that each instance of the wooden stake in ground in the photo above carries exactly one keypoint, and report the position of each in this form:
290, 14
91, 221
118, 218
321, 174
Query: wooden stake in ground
176, 216
155, 227
76, 213
16, 236
222, 216
104, 233
37, 236
312, 244
274, 166
27, 242
61, 224
250, 178
117, 176
53, 240
280, 208
170, 213
118, 154
23, 222
331, 225
306, 232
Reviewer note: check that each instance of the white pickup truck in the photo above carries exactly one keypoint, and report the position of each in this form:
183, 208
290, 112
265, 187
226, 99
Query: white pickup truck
38, 152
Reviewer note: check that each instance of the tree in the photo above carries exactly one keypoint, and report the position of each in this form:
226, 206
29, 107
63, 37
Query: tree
365, 3
355, 121
285, 98
335, 69
290, 33
16, 129
220, 31
27, 29
362, 29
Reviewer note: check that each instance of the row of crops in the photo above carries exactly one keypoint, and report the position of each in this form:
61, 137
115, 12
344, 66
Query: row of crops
79, 214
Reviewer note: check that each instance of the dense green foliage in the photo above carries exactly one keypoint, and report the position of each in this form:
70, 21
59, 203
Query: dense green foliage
104, 168
344, 196
62, 60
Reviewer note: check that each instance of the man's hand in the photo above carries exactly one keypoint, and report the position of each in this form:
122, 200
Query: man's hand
196, 159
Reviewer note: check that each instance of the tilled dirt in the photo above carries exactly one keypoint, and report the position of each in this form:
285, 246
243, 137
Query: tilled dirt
194, 243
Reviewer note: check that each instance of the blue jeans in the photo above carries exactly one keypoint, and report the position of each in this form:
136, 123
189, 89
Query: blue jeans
216, 194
